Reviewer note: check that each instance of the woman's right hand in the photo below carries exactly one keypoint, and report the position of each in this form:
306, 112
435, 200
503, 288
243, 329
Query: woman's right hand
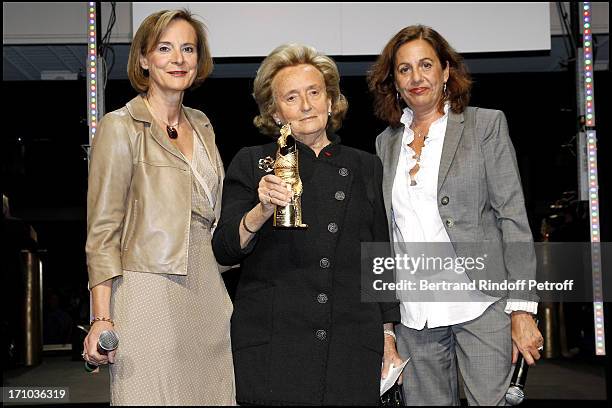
273, 191
90, 345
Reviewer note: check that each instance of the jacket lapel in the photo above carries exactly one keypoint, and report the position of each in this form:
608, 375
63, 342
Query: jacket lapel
390, 166
139, 111
203, 132
454, 130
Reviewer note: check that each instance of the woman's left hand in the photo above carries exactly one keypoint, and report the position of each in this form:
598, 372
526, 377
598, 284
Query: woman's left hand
391, 356
526, 338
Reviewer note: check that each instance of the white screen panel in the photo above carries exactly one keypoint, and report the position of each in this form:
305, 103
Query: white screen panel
255, 29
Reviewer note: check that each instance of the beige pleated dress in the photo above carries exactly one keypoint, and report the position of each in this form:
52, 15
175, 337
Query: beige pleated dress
174, 330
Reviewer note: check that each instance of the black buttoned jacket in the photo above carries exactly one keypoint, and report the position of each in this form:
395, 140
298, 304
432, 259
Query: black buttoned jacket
300, 331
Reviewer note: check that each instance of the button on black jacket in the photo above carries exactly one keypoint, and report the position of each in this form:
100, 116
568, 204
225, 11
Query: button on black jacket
300, 332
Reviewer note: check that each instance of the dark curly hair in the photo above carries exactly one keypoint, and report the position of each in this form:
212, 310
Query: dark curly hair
381, 80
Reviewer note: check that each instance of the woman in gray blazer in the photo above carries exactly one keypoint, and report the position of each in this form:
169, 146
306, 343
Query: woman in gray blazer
450, 175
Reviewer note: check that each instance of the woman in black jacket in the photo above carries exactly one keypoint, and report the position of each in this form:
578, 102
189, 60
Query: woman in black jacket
301, 333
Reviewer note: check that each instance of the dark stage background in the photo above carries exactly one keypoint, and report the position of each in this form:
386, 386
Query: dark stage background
44, 167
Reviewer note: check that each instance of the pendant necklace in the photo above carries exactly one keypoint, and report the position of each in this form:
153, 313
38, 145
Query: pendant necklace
170, 129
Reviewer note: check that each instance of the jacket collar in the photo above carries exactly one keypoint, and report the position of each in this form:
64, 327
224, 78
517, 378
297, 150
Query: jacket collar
331, 150
139, 111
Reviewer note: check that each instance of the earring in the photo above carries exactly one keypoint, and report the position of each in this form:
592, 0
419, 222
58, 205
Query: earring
444, 90
279, 123
329, 114
397, 96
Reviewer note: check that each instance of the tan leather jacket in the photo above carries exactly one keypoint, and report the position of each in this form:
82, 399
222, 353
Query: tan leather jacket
139, 194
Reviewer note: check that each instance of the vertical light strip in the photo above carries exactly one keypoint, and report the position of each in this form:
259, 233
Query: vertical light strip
589, 123
587, 46
91, 80
92, 71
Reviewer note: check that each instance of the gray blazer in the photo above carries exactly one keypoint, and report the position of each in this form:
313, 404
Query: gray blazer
480, 198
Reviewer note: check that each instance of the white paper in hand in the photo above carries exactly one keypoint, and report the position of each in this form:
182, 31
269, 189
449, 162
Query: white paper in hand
392, 376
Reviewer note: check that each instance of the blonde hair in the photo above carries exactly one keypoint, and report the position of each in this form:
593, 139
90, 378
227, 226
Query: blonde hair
288, 55
148, 35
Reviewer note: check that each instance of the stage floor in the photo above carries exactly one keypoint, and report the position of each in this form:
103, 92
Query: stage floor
552, 382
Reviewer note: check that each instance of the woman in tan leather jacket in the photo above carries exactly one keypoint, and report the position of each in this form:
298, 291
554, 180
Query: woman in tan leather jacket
154, 195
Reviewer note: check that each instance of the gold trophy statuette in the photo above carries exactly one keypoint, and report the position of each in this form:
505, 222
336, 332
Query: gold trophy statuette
286, 167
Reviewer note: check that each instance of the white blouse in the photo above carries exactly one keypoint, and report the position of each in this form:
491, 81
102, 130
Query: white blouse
416, 219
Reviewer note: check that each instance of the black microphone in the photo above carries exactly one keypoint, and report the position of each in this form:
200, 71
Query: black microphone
515, 394
108, 341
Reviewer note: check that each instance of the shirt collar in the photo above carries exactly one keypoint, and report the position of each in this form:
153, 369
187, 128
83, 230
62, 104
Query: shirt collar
407, 117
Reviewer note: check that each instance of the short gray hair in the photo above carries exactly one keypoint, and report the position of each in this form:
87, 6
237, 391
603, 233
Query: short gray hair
288, 55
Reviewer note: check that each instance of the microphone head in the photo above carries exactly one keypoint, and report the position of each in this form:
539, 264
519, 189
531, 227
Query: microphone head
108, 340
514, 395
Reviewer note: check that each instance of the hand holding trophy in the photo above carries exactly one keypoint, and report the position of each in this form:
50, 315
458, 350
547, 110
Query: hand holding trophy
286, 166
